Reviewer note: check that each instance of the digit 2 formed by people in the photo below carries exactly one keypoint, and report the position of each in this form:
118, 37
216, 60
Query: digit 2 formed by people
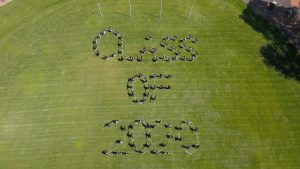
155, 147
173, 48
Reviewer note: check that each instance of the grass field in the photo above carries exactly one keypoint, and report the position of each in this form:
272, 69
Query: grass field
55, 94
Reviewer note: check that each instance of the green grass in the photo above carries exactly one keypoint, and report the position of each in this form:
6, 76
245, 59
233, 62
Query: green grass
55, 95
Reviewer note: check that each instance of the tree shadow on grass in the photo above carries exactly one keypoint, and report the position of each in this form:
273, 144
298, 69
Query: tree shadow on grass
280, 53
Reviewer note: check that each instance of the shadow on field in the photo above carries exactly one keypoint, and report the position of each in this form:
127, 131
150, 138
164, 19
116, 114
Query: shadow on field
122, 14
152, 15
280, 53
182, 17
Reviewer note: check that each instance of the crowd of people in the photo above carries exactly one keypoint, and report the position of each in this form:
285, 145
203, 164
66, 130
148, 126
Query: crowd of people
98, 38
159, 148
149, 90
192, 129
177, 51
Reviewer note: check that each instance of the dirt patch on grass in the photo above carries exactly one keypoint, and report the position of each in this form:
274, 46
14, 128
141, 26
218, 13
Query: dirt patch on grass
4, 2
